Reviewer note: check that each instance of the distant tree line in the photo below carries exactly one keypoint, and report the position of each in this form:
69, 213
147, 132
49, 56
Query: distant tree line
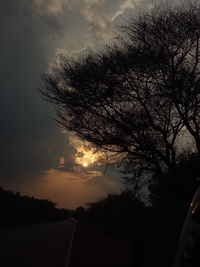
17, 209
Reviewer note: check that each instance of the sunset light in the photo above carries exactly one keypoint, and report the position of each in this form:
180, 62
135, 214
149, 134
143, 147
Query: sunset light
86, 154
86, 157
85, 164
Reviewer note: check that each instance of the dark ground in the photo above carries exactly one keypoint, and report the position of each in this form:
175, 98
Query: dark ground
47, 244
93, 247
41, 245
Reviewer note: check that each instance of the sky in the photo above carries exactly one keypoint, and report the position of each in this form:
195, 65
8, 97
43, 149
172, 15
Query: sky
37, 157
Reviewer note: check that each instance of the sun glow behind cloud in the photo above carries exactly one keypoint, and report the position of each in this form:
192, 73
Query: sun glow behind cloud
86, 155
85, 164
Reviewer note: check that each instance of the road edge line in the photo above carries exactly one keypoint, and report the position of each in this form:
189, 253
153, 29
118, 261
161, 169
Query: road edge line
70, 245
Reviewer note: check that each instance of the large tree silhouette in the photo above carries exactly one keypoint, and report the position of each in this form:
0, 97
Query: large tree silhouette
136, 97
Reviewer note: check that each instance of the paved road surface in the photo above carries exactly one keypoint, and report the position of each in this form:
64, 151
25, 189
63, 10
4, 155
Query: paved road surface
42, 245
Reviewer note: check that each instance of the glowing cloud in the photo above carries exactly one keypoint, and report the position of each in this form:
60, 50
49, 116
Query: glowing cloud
86, 155
50, 6
85, 164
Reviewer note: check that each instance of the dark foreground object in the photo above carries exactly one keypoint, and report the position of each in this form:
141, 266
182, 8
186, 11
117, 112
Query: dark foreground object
42, 245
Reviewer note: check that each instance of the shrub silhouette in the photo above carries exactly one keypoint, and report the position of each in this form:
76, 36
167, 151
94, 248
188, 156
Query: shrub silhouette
118, 213
17, 209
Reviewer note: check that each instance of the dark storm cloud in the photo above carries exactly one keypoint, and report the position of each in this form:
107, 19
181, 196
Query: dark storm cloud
30, 141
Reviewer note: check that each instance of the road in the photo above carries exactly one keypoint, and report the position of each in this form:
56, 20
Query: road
42, 245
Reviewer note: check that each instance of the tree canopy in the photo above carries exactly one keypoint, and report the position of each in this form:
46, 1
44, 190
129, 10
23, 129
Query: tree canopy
136, 97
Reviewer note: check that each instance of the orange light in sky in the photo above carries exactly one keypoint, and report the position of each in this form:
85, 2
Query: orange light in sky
86, 155
85, 164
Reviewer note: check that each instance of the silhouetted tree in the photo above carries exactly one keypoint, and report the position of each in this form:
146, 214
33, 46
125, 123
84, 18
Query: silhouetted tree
137, 97
176, 193
119, 213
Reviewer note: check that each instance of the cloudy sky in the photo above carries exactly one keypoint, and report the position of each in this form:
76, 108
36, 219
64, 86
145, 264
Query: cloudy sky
38, 158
